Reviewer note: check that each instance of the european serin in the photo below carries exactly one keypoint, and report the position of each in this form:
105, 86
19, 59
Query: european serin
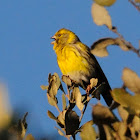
76, 61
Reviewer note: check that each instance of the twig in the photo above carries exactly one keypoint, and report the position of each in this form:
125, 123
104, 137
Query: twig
82, 113
87, 101
135, 5
128, 44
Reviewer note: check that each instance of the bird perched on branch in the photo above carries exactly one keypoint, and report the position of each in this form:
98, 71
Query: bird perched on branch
76, 61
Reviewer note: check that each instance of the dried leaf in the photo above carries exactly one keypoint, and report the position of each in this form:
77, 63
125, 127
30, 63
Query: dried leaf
102, 115
100, 16
5, 110
132, 132
99, 48
123, 113
61, 117
51, 115
19, 129
122, 130
43, 87
129, 102
136, 123
105, 2
58, 82
131, 80
52, 101
60, 132
64, 101
78, 98
88, 132
54, 84
137, 1
122, 45
66, 80
108, 133
71, 122
138, 136
93, 82
29, 137
49, 78
53, 89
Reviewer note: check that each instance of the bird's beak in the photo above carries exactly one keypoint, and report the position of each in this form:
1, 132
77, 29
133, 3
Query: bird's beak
53, 37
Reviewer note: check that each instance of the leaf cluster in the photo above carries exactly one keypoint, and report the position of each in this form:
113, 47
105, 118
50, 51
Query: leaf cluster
67, 119
109, 125
16, 130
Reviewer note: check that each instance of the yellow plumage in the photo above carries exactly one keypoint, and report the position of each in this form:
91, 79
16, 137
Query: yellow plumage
76, 61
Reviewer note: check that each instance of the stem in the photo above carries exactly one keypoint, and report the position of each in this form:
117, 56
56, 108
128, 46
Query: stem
135, 5
82, 113
128, 44
58, 109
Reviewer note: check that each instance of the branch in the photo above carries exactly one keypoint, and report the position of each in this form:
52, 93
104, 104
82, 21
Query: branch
128, 44
82, 113
135, 5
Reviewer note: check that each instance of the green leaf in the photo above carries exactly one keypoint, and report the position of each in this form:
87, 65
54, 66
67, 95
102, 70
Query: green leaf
71, 122
131, 80
88, 132
64, 101
129, 102
51, 115
78, 98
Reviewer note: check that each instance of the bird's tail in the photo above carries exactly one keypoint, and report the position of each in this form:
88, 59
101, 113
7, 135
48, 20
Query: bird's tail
107, 95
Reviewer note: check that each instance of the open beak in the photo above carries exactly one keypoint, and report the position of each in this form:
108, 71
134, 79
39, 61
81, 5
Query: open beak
53, 37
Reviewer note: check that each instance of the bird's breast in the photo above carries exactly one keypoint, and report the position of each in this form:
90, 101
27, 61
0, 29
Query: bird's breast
74, 65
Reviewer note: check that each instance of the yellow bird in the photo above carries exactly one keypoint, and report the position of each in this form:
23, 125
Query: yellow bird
76, 61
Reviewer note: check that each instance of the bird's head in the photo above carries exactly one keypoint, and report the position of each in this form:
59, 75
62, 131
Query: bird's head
63, 37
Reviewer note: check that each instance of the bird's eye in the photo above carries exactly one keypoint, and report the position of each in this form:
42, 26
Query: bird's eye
59, 35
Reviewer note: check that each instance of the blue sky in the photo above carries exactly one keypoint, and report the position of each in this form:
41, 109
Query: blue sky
27, 57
